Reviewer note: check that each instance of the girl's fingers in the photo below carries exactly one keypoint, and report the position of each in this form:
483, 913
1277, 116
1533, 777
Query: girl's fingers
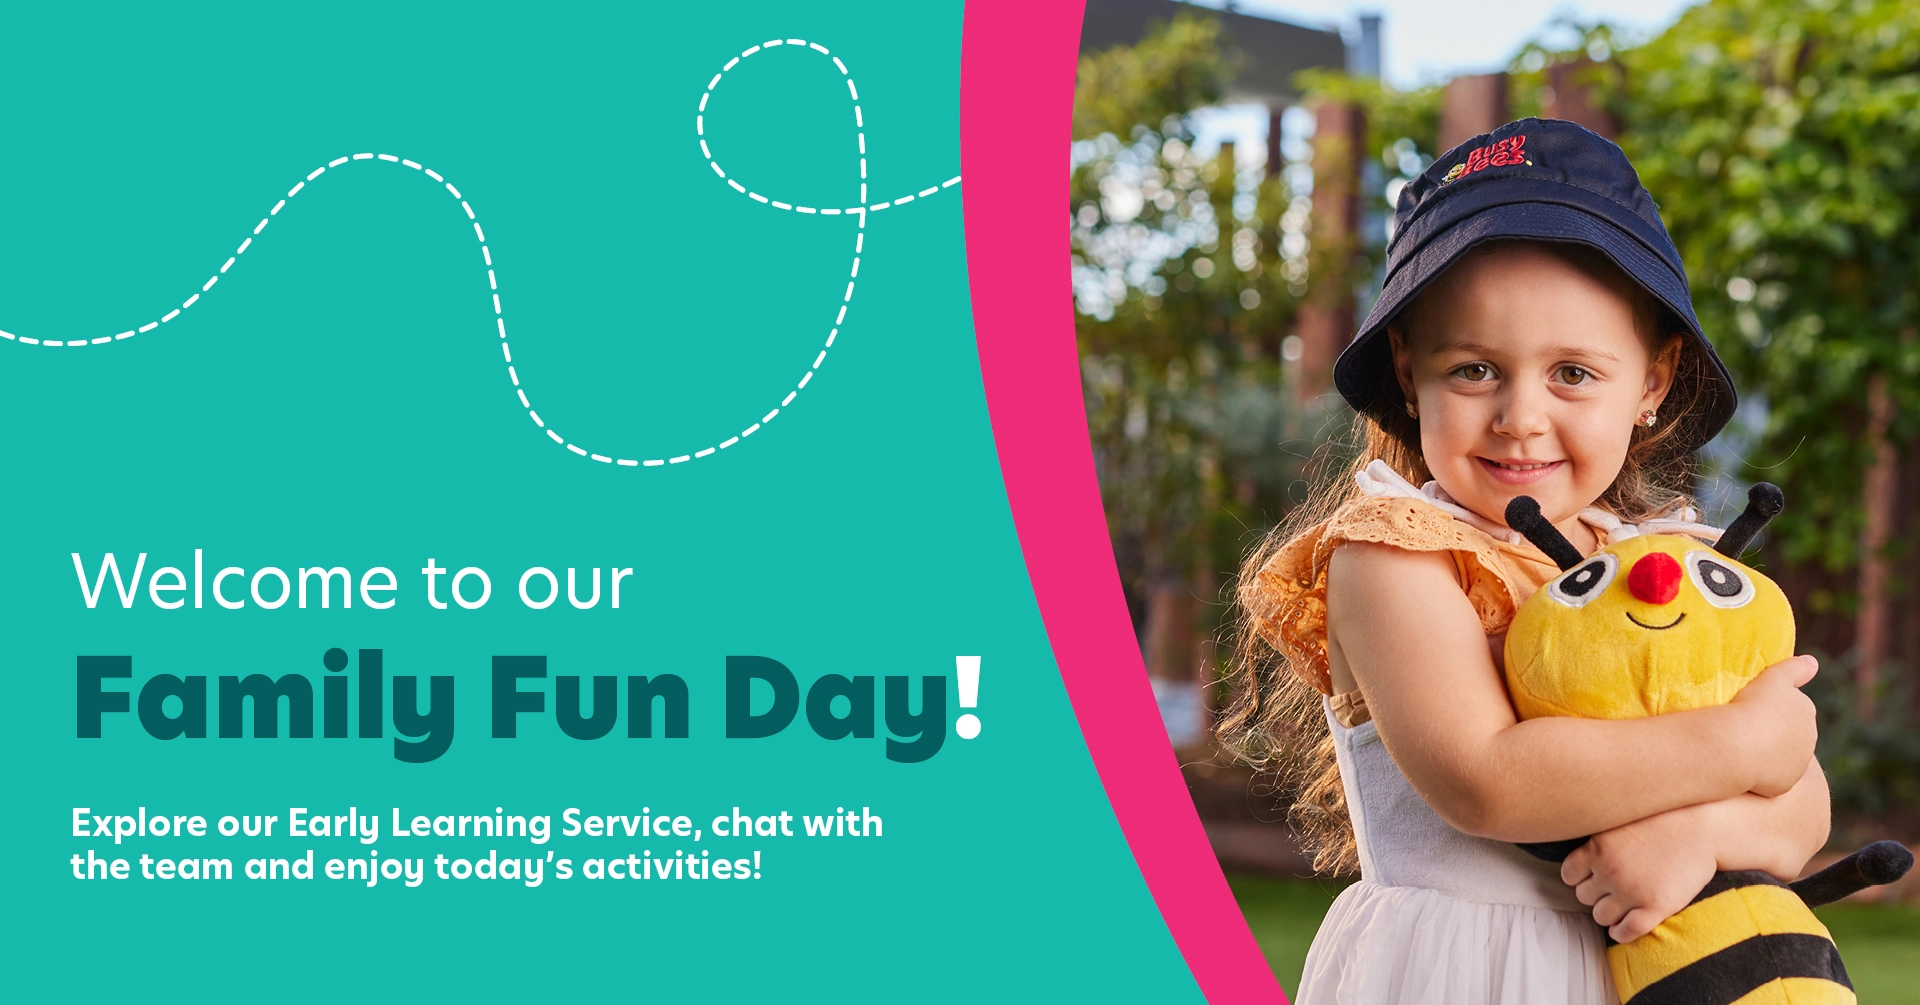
1610, 911
1797, 670
1590, 890
1636, 923
1578, 867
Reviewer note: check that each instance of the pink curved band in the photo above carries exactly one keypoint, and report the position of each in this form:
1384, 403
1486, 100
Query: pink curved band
1017, 64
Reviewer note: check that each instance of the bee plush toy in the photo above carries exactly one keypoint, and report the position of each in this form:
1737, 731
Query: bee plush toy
1658, 623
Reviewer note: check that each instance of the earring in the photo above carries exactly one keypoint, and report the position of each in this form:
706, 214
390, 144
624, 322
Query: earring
1412, 412
1647, 418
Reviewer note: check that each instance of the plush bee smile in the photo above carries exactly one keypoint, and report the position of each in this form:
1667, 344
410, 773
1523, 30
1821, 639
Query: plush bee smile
1657, 628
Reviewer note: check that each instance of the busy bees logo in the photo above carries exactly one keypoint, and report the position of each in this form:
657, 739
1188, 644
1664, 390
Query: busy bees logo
1511, 150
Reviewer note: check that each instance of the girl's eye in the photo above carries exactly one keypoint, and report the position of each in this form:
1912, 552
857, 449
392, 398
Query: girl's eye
1574, 375
1474, 372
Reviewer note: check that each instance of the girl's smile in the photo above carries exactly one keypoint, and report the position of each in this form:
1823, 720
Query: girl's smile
1519, 472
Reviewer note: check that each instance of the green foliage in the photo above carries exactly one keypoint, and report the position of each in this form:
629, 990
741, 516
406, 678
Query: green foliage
1872, 766
1391, 115
1184, 298
1782, 141
1181, 313
1402, 140
1178, 67
1588, 53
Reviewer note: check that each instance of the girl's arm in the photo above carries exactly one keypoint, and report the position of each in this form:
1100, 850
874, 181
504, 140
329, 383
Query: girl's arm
1636, 876
1401, 629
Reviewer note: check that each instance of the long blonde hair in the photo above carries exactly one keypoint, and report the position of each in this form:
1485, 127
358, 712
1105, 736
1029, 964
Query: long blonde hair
1273, 719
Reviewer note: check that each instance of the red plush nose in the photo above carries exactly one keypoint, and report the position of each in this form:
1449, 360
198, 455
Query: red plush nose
1655, 578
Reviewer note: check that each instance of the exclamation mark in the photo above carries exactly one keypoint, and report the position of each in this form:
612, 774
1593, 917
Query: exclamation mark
968, 667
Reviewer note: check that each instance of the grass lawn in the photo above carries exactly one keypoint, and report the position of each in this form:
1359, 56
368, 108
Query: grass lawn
1284, 914
1881, 945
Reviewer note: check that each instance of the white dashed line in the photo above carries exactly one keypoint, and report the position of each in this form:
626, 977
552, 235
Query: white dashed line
860, 211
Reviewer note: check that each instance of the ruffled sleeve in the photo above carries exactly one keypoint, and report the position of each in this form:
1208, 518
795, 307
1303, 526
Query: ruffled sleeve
1288, 598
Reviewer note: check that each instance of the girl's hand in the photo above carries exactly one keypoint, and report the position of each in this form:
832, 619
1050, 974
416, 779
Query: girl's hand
1636, 876
1781, 730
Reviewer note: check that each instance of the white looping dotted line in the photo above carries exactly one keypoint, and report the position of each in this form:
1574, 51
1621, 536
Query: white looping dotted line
493, 283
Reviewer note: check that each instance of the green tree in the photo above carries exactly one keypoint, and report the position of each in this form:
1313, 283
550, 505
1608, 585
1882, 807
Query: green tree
1781, 139
1402, 140
1181, 314
1586, 61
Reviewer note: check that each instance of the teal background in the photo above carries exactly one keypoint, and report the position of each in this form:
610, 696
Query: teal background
338, 399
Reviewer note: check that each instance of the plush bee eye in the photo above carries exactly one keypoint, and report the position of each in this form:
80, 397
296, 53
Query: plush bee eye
1720, 581
1579, 585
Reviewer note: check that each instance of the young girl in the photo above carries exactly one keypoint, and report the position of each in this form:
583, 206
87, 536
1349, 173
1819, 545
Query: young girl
1534, 336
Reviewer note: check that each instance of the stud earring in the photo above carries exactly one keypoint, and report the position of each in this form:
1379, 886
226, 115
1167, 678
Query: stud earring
1647, 418
1412, 412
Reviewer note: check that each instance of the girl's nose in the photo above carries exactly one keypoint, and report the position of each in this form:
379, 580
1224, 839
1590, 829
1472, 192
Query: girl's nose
1523, 414
1655, 578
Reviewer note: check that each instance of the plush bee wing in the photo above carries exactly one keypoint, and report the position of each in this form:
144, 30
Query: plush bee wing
1764, 502
1523, 515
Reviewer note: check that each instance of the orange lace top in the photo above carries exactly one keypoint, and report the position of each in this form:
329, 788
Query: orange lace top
1289, 597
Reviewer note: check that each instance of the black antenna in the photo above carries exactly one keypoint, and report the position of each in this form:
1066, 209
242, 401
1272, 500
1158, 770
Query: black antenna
1764, 502
1523, 515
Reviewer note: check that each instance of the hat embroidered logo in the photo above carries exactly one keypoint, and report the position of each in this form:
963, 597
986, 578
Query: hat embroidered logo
1508, 151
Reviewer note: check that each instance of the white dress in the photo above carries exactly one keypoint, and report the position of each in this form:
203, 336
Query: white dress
1441, 918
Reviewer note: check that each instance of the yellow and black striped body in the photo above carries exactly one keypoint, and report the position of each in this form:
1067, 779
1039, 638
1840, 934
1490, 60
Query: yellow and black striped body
1745, 940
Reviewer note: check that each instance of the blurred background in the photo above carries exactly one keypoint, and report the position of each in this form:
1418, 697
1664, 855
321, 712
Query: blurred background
1233, 173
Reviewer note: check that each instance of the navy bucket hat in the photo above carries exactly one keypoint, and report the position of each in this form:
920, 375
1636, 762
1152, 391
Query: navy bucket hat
1534, 179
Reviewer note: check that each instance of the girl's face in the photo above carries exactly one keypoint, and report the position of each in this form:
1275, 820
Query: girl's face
1529, 376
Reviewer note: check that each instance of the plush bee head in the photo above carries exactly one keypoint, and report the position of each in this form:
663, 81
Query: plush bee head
1653, 624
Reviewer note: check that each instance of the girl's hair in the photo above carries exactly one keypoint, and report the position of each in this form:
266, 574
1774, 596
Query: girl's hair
1273, 719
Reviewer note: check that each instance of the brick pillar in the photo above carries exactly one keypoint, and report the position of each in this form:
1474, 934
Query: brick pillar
1906, 611
1573, 98
1873, 632
1274, 159
1471, 106
1325, 322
